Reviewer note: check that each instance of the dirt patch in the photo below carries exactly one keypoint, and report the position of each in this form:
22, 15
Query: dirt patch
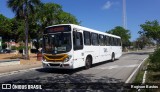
6, 56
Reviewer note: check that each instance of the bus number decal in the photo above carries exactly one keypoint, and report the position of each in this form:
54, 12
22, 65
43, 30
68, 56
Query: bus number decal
105, 49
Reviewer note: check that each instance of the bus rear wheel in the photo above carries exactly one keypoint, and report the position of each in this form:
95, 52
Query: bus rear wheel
88, 63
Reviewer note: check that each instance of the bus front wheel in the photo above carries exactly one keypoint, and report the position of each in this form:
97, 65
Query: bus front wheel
88, 63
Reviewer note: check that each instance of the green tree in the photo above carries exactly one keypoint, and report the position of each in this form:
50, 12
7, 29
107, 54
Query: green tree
47, 14
5, 28
151, 29
142, 41
123, 33
66, 18
24, 8
50, 14
18, 29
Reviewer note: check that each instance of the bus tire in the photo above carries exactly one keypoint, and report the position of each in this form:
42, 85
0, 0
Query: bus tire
88, 62
113, 57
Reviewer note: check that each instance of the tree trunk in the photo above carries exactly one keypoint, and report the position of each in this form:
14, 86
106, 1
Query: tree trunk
26, 39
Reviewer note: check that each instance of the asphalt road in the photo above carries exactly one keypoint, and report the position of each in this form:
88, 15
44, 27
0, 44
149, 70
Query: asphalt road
106, 72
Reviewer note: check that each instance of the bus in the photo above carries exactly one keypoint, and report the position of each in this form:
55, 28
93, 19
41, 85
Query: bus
70, 46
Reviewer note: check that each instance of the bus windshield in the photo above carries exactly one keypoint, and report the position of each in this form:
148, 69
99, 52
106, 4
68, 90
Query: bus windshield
59, 42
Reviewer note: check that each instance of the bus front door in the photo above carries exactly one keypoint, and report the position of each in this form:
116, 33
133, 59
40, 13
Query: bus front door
78, 49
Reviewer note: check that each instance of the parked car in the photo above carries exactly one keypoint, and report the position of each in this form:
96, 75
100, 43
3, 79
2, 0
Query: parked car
5, 51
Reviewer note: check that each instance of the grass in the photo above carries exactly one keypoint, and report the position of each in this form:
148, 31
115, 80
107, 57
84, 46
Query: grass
139, 77
151, 77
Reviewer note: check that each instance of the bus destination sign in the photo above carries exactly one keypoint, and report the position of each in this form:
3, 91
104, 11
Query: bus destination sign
58, 29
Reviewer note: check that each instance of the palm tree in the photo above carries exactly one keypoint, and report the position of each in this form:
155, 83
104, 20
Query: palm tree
24, 8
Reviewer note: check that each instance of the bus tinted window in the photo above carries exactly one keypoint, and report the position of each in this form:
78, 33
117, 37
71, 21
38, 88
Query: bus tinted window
77, 40
114, 41
101, 40
94, 39
110, 40
119, 42
87, 38
107, 41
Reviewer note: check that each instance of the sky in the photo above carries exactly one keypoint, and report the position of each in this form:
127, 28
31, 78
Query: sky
104, 15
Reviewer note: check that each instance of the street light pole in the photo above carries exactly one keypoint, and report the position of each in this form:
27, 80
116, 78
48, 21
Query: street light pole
124, 14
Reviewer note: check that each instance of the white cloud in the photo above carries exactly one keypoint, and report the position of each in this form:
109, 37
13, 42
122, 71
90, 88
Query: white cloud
107, 5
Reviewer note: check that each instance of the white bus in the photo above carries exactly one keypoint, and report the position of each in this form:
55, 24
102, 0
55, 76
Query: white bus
70, 46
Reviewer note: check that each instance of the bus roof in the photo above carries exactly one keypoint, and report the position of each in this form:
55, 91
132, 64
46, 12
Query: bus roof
86, 29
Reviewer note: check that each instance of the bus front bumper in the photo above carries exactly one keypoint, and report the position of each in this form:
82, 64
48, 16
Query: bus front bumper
58, 65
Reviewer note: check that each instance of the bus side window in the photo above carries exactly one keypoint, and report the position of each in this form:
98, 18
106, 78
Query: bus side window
100, 39
119, 42
110, 41
113, 41
77, 40
103, 40
106, 40
87, 38
95, 39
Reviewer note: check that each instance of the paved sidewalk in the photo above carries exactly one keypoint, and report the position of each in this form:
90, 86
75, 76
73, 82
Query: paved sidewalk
24, 64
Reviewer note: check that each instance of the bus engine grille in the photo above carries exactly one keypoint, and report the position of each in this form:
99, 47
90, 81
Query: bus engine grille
55, 58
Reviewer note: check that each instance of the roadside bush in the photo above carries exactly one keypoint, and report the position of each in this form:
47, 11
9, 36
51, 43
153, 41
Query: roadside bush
20, 49
4, 45
155, 60
13, 48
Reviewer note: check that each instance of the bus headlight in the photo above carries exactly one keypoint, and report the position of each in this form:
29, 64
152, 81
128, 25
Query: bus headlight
43, 58
68, 58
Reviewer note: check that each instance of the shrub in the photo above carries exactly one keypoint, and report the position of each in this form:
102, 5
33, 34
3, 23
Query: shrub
155, 60
155, 57
20, 47
4, 45
13, 48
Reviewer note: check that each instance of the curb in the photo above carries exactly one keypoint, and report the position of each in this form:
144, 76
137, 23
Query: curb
134, 73
9, 62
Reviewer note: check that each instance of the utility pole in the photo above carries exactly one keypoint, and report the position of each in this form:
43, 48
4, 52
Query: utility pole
124, 14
